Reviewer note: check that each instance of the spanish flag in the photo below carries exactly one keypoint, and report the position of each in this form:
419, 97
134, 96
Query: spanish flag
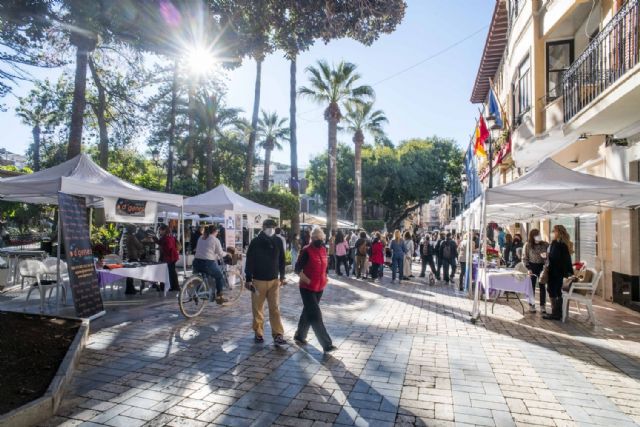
482, 133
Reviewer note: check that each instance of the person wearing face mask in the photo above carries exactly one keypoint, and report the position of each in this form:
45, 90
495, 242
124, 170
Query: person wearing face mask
312, 268
264, 269
560, 267
534, 256
516, 249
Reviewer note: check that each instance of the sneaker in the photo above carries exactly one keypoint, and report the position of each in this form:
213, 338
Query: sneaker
279, 340
532, 308
259, 339
543, 310
299, 340
330, 349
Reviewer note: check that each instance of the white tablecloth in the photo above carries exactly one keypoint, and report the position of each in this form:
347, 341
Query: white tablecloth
150, 273
510, 281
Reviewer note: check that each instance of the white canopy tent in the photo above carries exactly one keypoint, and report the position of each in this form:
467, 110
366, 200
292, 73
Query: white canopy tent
322, 221
550, 190
221, 199
80, 176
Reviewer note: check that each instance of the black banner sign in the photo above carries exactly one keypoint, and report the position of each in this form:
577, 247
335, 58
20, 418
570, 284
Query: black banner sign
82, 272
135, 208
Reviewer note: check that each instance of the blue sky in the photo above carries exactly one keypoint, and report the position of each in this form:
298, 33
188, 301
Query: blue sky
429, 99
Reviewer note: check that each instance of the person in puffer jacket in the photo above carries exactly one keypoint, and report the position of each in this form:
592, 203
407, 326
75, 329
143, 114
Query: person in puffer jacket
312, 268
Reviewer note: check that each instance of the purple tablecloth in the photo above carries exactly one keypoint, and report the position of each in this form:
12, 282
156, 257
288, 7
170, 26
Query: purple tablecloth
151, 273
510, 281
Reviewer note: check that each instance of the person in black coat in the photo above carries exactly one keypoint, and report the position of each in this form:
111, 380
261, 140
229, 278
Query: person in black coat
560, 267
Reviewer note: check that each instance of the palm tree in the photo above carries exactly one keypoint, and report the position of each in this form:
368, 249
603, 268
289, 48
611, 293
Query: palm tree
362, 118
334, 87
212, 118
271, 130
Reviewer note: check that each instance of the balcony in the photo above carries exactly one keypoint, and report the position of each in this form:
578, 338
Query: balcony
606, 60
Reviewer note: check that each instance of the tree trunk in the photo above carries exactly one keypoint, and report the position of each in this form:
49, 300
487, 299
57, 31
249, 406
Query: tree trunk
189, 151
36, 147
251, 147
332, 208
357, 196
99, 110
172, 129
209, 168
79, 102
267, 163
293, 144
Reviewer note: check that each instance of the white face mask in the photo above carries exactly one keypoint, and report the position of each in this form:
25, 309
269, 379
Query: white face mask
269, 231
537, 238
553, 236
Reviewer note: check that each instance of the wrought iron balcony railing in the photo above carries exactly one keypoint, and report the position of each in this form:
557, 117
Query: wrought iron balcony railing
611, 54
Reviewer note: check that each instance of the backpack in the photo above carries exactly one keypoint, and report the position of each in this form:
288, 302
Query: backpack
362, 249
426, 248
446, 250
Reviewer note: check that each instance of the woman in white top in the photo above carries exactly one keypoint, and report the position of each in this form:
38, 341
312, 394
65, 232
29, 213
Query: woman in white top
208, 252
409, 247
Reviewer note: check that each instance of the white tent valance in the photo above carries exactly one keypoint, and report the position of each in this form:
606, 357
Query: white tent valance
221, 199
79, 176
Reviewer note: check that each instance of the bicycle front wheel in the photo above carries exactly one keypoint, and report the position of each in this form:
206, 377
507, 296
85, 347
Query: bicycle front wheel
194, 296
234, 284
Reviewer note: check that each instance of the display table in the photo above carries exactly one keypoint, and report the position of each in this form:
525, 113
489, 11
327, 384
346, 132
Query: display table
14, 256
158, 273
507, 280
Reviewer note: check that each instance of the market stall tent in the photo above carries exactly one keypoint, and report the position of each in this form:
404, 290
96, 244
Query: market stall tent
221, 199
79, 176
550, 190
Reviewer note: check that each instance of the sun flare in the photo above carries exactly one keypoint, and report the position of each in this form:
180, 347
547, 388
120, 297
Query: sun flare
200, 60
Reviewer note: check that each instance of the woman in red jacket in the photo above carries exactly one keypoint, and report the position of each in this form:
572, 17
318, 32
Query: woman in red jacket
312, 268
377, 257
169, 254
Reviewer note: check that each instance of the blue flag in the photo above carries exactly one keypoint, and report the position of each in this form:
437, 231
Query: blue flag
474, 187
494, 109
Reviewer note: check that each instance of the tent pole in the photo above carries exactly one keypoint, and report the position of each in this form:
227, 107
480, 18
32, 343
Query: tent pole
184, 249
475, 314
58, 278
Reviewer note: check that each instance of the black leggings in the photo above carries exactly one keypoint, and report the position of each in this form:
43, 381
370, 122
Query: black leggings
342, 260
312, 317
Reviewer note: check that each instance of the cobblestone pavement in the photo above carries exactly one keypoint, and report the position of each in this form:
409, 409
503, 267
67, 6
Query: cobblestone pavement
407, 356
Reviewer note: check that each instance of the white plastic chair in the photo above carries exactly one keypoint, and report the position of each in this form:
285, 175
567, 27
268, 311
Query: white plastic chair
51, 265
580, 298
31, 268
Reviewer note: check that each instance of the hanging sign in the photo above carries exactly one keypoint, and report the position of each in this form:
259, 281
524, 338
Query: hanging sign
229, 229
131, 211
83, 279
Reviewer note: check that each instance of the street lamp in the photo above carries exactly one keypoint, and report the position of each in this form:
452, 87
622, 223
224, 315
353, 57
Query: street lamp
184, 163
155, 155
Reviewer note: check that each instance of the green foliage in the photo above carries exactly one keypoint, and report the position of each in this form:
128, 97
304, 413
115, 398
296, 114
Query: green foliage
317, 175
107, 234
397, 179
278, 198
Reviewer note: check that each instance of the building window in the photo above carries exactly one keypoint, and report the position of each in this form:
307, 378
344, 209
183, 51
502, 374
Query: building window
515, 6
559, 59
522, 91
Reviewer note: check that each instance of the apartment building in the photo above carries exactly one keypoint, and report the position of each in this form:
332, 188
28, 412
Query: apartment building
567, 74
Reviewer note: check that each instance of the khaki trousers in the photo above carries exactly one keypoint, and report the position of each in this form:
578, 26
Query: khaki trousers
266, 290
361, 265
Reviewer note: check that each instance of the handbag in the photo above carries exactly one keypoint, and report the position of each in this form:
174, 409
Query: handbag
544, 276
568, 282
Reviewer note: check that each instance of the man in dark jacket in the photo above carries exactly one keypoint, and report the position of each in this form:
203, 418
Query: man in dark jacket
264, 270
448, 254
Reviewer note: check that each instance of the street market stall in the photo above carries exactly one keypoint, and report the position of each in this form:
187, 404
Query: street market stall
74, 186
226, 203
547, 191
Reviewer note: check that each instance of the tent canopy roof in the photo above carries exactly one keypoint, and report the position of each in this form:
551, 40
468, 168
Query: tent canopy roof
551, 189
78, 176
322, 221
221, 199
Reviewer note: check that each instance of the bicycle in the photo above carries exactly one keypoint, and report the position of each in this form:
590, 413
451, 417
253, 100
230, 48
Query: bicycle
199, 289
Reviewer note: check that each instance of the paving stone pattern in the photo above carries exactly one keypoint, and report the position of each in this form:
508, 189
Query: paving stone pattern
407, 355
